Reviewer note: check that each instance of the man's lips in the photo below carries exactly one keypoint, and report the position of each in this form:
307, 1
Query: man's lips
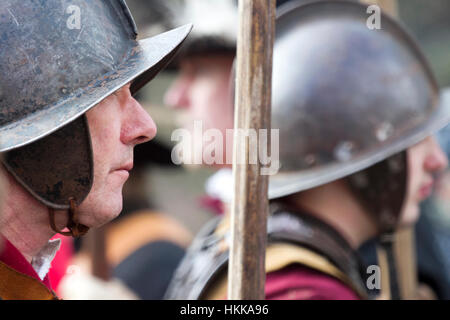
126, 168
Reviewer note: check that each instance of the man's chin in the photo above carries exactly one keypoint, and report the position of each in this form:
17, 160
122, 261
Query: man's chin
101, 214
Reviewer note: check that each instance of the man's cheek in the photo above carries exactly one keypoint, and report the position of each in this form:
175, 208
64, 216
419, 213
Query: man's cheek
103, 144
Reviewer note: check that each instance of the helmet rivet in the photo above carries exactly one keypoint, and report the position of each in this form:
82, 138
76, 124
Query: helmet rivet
344, 151
310, 159
384, 131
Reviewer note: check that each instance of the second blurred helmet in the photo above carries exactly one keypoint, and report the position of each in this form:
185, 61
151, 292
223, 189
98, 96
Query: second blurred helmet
345, 98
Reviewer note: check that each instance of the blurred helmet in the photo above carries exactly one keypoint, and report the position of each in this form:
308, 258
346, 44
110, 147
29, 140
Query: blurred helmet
154, 16
58, 60
215, 24
345, 98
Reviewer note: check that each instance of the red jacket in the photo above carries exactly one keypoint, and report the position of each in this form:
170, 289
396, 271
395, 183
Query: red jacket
18, 279
296, 282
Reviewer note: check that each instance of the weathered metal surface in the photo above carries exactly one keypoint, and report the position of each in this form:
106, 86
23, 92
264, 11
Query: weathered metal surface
344, 96
58, 59
50, 74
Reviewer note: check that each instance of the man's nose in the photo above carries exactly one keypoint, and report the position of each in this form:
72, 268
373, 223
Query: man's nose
177, 95
436, 159
138, 126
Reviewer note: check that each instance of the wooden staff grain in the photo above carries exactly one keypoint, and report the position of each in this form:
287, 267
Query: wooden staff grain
405, 253
246, 272
404, 243
389, 6
96, 249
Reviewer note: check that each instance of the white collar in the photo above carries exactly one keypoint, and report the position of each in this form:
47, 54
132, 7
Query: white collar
220, 185
42, 261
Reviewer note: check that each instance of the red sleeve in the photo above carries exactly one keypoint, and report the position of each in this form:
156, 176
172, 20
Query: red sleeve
61, 261
297, 282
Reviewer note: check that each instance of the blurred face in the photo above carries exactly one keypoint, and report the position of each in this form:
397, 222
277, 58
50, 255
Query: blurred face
201, 91
425, 159
116, 124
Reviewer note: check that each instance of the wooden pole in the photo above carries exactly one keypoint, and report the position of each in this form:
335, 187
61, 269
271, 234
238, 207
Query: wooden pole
385, 292
404, 240
405, 256
388, 6
96, 249
249, 209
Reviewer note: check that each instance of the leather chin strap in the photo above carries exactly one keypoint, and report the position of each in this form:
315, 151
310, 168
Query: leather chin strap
76, 229
381, 189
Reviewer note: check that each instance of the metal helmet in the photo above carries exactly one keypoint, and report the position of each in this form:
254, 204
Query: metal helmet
215, 24
346, 97
58, 60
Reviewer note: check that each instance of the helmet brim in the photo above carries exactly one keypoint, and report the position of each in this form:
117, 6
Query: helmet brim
145, 60
287, 183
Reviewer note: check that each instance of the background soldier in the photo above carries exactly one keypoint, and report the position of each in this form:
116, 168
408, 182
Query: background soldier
202, 88
336, 189
65, 162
